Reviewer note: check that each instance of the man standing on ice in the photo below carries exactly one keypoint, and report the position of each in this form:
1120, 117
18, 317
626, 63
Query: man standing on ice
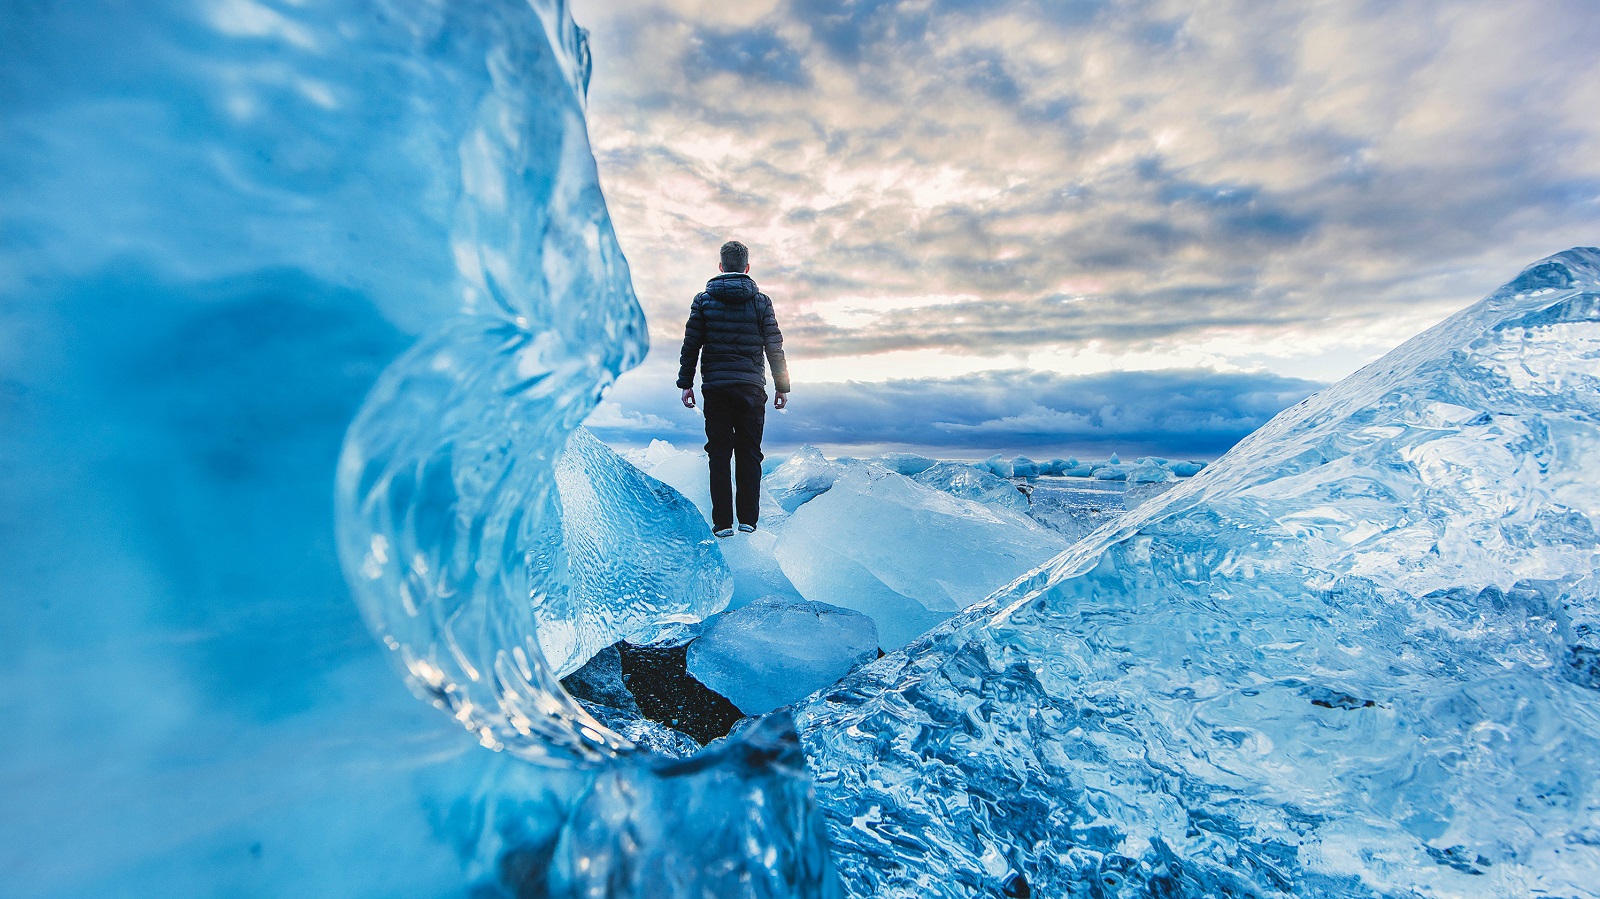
731, 327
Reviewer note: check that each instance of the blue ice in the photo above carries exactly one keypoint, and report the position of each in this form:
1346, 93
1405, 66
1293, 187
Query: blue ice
1355, 657
265, 258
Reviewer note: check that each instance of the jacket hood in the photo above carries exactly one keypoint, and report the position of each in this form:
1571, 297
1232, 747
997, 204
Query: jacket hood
732, 287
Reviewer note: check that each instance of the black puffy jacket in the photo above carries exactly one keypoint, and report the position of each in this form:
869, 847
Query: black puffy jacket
731, 327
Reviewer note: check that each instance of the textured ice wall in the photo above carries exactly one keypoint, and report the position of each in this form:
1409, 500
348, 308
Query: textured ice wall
641, 558
1353, 658
446, 494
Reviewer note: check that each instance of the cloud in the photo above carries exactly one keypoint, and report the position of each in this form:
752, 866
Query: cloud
760, 54
610, 416
1298, 172
1179, 413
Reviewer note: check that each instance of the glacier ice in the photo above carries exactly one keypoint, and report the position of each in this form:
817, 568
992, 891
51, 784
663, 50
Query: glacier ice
908, 464
640, 558
880, 543
805, 475
1150, 471
969, 482
997, 466
1341, 661
776, 650
1076, 469
1075, 507
1356, 657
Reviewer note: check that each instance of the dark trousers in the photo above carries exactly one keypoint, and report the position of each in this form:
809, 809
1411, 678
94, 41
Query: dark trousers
734, 419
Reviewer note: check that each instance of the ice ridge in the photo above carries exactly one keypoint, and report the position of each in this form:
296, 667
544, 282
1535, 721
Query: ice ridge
1352, 658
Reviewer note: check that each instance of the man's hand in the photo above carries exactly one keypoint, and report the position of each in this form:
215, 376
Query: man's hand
780, 400
688, 398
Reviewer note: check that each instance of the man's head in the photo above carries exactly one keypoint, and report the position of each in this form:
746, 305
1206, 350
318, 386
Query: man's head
735, 257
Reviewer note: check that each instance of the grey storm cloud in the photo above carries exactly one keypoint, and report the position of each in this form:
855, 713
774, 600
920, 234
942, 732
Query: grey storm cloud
1184, 414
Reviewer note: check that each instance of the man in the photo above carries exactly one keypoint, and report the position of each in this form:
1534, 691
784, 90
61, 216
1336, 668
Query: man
731, 327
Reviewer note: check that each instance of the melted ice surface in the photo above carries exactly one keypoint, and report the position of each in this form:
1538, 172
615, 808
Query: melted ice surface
1354, 657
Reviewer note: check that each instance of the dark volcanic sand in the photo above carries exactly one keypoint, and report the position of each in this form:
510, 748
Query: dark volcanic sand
660, 682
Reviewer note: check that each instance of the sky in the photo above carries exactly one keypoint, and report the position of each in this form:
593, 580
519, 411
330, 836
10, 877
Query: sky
1073, 227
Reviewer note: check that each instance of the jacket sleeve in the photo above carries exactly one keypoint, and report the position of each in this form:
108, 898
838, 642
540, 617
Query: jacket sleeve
774, 341
694, 337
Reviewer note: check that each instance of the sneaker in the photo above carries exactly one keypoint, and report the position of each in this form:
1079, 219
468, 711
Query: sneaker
747, 529
723, 532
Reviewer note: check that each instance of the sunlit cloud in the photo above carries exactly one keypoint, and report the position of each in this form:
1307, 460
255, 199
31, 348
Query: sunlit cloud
946, 188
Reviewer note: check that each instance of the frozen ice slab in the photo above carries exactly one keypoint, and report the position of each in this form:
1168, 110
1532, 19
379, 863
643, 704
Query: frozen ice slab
803, 476
1186, 469
1346, 660
1075, 469
641, 558
907, 555
968, 482
777, 650
1149, 472
908, 464
648, 457
756, 571
996, 466
1024, 467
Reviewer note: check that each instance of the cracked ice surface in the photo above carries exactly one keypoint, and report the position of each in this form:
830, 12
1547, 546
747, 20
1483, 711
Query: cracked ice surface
1355, 657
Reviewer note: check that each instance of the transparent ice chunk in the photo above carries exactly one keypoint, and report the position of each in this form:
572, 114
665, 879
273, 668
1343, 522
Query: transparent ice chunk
803, 476
884, 545
908, 464
640, 557
776, 650
967, 482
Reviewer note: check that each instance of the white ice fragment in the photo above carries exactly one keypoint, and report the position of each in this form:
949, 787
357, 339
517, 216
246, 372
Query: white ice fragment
803, 476
885, 545
908, 464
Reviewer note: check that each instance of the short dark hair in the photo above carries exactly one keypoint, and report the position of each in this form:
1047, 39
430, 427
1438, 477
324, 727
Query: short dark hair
735, 256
